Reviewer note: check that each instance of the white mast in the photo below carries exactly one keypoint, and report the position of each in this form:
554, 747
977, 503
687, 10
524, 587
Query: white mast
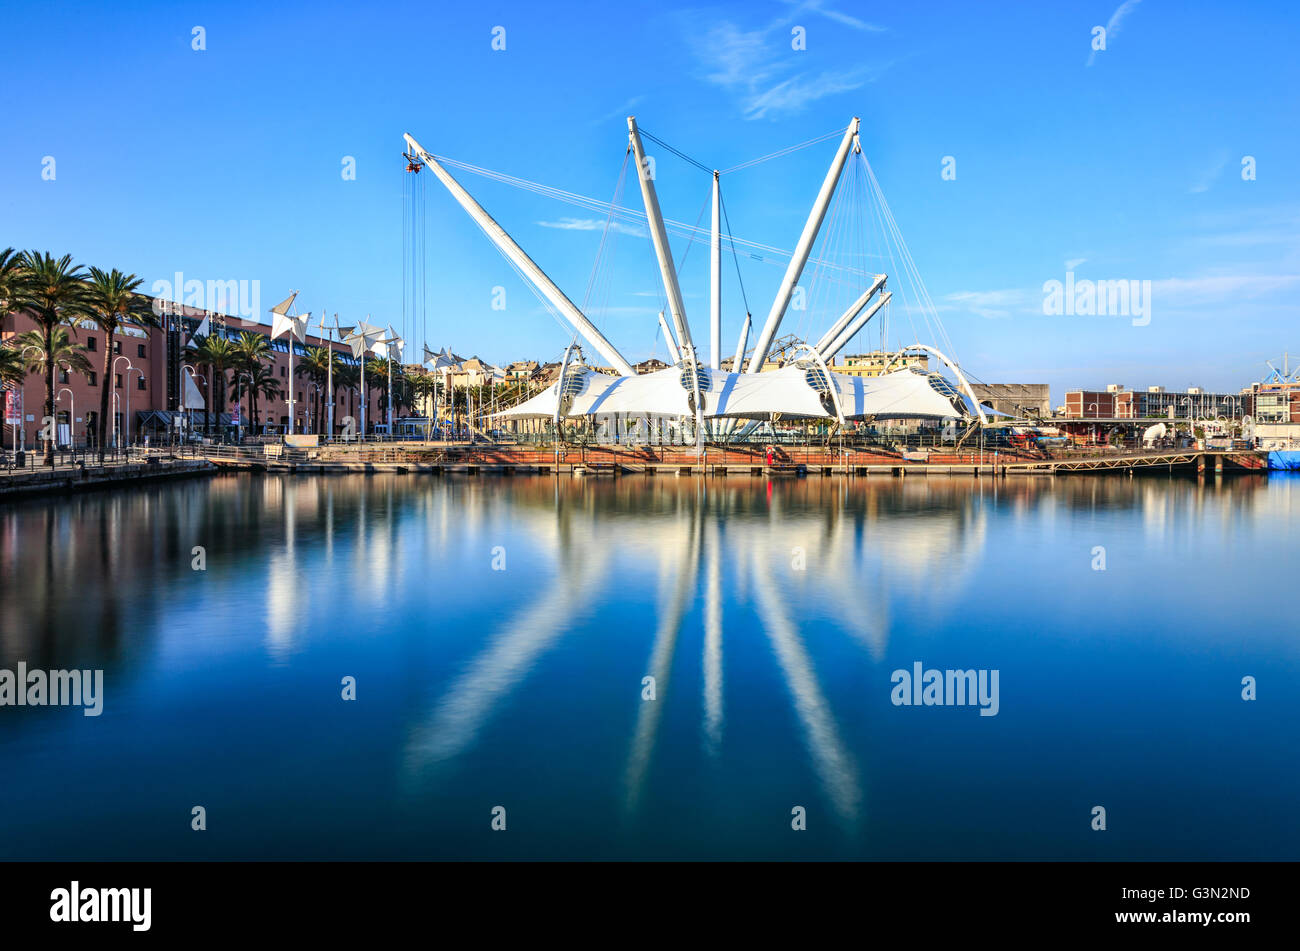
663, 252
659, 237
854, 309
715, 284
829, 351
506, 244
802, 250
741, 344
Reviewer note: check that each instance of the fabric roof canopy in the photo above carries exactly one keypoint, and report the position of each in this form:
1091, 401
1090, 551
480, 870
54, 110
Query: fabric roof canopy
790, 392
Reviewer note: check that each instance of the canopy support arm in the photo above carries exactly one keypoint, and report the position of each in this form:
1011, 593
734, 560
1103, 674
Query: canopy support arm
507, 246
829, 351
802, 250
659, 237
854, 309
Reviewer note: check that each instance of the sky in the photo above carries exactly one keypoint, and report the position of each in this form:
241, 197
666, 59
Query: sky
1010, 151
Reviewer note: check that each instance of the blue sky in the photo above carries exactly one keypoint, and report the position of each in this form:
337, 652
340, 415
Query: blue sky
1124, 164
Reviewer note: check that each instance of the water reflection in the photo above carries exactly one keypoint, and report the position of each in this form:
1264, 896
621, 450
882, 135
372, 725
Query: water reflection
765, 612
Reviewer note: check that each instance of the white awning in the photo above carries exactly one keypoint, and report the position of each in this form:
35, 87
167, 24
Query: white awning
793, 391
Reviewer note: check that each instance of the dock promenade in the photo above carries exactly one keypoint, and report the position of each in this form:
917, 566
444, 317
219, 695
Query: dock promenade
591, 461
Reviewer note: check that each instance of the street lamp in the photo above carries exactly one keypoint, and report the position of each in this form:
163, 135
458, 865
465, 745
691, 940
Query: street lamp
72, 416
239, 396
207, 395
311, 385
22, 427
127, 386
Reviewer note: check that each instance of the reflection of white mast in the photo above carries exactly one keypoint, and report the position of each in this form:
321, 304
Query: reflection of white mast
661, 660
831, 760
713, 645
532, 631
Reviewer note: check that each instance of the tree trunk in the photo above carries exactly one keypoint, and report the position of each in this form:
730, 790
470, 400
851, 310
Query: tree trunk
105, 394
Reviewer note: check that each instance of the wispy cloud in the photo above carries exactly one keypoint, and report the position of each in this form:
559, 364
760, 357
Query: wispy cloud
844, 19
1211, 172
1112, 25
593, 224
761, 70
1171, 293
621, 112
994, 305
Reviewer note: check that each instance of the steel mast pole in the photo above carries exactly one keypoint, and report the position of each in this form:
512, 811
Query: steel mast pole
802, 250
715, 283
507, 246
668, 271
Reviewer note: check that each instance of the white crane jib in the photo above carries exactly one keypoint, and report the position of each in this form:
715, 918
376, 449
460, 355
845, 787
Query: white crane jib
802, 250
507, 246
829, 351
659, 237
854, 309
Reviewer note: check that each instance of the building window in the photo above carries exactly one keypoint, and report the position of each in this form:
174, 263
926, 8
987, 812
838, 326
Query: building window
117, 346
139, 384
283, 372
117, 380
63, 375
139, 350
92, 344
92, 379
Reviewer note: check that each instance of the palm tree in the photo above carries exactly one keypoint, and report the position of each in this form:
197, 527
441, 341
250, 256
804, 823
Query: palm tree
11, 272
114, 304
32, 350
53, 292
11, 365
219, 355
376, 379
346, 378
315, 365
265, 383
254, 352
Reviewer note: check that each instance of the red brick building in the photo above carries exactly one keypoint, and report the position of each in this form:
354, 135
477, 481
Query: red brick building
148, 382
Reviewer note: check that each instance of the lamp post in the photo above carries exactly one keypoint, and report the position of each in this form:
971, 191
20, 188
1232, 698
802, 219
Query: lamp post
72, 416
204, 377
127, 384
311, 385
239, 397
22, 427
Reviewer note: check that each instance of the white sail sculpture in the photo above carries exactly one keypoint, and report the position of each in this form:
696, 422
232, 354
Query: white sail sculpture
362, 338
803, 387
295, 325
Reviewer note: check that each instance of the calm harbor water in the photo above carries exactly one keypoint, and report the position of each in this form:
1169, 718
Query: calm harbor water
500, 631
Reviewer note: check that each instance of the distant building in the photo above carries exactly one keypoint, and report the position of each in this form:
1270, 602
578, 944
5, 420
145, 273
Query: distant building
1155, 402
521, 369
650, 366
875, 362
1015, 399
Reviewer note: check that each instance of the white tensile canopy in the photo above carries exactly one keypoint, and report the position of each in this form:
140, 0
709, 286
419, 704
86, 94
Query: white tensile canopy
790, 392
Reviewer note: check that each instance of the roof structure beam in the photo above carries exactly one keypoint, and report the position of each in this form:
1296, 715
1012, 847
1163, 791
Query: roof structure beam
829, 351
802, 250
854, 309
659, 237
527, 267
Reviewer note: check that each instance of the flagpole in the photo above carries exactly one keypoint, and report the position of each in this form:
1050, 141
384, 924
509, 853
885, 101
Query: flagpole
329, 351
289, 428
